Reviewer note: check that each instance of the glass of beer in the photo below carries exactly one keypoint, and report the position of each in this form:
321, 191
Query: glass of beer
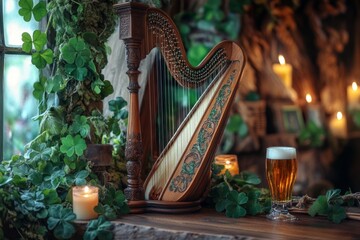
281, 168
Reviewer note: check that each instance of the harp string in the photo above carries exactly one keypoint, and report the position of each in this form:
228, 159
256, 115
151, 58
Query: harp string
173, 103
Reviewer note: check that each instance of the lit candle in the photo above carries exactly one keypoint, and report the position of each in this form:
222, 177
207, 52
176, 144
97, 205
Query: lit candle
229, 162
284, 71
338, 125
308, 98
353, 95
85, 199
313, 111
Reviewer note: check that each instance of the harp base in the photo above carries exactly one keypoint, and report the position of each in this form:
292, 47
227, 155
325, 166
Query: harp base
163, 206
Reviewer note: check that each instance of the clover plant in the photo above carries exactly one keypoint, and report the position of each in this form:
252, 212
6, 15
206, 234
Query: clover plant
35, 186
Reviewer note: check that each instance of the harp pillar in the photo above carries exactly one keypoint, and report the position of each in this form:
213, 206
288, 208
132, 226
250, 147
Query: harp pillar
132, 17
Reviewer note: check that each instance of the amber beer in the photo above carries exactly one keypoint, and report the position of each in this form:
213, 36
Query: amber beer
281, 168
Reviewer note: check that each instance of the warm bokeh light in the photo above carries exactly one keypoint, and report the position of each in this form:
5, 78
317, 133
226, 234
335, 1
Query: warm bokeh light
354, 86
339, 115
308, 98
281, 60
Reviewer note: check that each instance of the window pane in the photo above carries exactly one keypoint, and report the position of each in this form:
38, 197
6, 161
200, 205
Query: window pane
19, 104
14, 24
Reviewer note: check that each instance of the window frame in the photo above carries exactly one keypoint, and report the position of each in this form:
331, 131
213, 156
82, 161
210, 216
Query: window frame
3, 51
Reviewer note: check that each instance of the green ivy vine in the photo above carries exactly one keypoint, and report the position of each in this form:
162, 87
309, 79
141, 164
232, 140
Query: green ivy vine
35, 187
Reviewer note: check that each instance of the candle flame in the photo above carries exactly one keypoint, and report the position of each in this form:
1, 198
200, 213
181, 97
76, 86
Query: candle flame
86, 189
354, 86
339, 115
227, 162
281, 60
308, 98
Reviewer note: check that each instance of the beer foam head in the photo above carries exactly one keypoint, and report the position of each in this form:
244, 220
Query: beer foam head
280, 153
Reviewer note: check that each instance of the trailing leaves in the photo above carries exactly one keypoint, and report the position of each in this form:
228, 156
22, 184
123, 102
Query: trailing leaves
238, 195
77, 56
60, 221
99, 229
329, 205
113, 204
34, 186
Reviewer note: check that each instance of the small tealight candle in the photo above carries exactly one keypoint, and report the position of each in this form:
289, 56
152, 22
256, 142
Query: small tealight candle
353, 96
338, 125
284, 71
85, 199
229, 162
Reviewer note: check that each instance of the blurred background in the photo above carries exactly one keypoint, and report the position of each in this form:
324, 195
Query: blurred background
300, 86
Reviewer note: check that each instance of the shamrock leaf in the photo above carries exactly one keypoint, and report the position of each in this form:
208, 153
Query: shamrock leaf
27, 42
106, 210
107, 89
39, 40
99, 228
233, 204
337, 214
27, 10
39, 11
320, 206
33, 201
72, 145
40, 59
80, 125
80, 177
75, 49
79, 73
118, 107
60, 221
253, 205
115, 200
246, 178
51, 197
39, 88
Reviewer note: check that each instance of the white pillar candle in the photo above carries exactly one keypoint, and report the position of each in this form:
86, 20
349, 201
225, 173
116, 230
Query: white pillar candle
229, 162
85, 199
353, 96
338, 125
284, 71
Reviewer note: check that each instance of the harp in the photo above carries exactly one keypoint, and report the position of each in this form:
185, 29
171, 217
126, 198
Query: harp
181, 169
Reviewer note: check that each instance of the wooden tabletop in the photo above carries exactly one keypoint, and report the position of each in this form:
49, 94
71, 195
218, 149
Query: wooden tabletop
208, 224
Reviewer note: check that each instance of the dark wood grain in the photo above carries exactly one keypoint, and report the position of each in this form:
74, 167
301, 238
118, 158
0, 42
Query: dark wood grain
208, 224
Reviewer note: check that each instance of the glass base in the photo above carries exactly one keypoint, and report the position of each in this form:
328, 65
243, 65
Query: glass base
280, 213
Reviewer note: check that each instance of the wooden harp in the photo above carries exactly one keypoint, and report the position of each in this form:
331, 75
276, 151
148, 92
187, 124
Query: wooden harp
181, 170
